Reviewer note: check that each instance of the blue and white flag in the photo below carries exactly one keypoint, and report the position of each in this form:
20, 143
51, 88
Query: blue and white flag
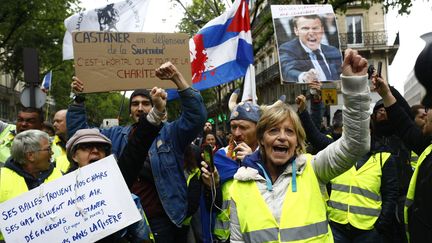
124, 16
46, 82
222, 51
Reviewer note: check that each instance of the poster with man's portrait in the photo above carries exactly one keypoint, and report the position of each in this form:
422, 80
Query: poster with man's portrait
308, 43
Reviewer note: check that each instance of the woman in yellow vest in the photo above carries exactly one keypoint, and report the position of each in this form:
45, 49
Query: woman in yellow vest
278, 195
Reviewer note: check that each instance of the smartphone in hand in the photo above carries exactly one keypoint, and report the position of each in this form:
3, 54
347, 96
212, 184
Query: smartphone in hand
208, 157
379, 69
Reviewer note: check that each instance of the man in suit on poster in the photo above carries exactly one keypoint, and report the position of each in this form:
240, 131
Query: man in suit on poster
304, 59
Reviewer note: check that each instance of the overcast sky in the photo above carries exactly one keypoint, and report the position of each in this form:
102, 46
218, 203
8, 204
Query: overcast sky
410, 27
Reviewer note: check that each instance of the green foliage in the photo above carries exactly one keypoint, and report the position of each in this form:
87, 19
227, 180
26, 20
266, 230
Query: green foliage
173, 109
403, 6
35, 24
39, 24
198, 14
106, 105
60, 89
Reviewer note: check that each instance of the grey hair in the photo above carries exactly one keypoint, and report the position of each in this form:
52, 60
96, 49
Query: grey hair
27, 141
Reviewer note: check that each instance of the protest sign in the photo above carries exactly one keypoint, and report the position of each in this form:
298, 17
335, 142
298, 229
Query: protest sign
307, 39
107, 61
82, 206
329, 96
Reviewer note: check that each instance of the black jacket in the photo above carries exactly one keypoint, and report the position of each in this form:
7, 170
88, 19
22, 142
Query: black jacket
134, 154
389, 179
420, 212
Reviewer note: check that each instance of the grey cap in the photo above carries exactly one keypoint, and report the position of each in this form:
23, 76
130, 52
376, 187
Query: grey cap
85, 136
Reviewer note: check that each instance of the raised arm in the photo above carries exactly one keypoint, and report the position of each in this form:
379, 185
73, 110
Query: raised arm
355, 140
186, 128
76, 117
405, 127
318, 140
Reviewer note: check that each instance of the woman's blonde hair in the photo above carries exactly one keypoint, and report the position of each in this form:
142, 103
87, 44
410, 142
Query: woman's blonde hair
272, 115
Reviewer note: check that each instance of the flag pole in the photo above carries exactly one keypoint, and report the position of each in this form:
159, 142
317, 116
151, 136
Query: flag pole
47, 106
121, 106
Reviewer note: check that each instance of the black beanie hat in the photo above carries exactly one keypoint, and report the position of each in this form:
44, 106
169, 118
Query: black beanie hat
423, 72
378, 104
140, 92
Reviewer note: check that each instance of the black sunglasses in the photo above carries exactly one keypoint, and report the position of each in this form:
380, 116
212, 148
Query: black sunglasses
90, 146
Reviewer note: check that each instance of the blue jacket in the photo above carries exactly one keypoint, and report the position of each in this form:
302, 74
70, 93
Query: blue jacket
76, 118
166, 154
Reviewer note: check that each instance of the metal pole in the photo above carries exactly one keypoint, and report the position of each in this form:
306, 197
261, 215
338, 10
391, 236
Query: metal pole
31, 72
121, 106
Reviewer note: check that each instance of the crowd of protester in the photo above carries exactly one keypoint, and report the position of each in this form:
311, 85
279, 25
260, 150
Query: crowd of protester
276, 177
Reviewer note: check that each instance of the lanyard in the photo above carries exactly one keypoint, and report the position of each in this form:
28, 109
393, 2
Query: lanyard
269, 182
267, 178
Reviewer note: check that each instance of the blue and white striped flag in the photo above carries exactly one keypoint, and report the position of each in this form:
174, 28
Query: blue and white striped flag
222, 50
46, 82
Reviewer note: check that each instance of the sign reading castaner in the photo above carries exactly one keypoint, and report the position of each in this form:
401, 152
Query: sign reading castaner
107, 61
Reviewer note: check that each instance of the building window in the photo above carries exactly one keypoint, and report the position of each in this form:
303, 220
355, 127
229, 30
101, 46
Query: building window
259, 66
270, 59
355, 29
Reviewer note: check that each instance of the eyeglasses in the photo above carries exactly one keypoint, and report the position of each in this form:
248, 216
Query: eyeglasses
49, 150
90, 146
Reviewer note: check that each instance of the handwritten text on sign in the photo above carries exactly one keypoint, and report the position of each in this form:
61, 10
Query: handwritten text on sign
85, 205
107, 61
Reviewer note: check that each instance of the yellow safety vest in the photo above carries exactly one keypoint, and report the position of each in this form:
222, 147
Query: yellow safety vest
413, 160
356, 194
222, 223
13, 185
60, 156
194, 172
7, 130
303, 217
6, 139
411, 189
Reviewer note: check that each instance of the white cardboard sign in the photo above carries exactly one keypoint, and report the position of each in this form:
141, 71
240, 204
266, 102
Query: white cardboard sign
83, 206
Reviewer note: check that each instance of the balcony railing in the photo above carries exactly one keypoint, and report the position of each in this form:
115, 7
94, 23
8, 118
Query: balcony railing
270, 73
370, 39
